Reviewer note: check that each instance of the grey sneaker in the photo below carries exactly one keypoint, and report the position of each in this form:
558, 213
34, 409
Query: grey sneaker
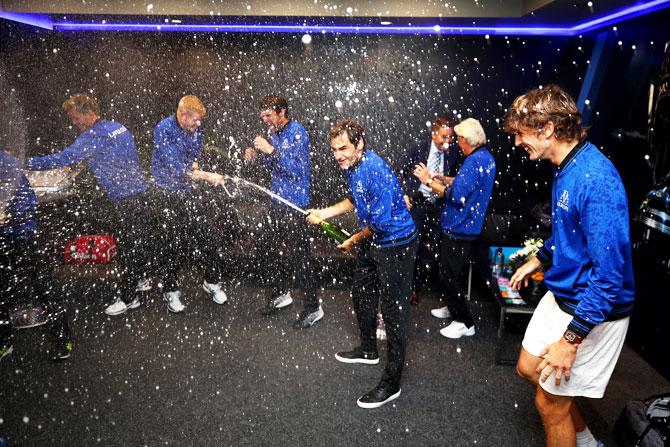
306, 318
120, 307
277, 303
173, 302
144, 285
215, 291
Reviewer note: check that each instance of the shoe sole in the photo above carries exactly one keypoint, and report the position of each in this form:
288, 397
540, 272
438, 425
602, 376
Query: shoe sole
267, 311
28, 326
134, 305
317, 319
64, 357
369, 405
174, 311
7, 352
363, 361
285, 303
465, 334
440, 315
204, 287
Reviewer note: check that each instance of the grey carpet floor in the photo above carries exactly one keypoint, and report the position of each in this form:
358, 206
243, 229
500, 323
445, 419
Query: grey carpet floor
227, 376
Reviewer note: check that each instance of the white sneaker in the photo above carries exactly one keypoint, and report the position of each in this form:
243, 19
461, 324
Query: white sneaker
120, 307
218, 295
282, 300
173, 302
457, 329
144, 285
441, 312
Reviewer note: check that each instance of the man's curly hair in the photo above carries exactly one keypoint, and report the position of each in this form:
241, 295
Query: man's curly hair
535, 108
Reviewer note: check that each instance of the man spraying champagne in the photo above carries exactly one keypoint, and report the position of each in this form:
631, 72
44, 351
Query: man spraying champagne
387, 246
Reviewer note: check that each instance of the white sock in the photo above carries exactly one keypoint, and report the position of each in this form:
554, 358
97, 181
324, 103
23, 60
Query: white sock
585, 438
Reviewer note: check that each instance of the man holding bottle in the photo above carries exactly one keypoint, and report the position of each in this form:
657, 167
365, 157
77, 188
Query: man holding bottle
387, 246
178, 140
285, 239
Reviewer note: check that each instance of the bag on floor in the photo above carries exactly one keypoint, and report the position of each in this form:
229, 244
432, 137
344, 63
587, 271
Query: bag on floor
645, 423
90, 249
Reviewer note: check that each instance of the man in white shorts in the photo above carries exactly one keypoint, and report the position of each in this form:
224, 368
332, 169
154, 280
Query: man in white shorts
577, 331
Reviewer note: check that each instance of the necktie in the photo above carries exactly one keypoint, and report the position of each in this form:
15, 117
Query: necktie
436, 166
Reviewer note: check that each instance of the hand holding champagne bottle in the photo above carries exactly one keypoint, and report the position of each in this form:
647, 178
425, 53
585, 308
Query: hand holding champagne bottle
334, 232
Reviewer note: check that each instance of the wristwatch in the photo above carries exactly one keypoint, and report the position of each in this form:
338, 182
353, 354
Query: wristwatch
428, 182
572, 338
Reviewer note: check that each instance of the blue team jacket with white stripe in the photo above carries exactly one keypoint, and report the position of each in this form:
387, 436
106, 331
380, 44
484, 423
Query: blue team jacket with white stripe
290, 163
379, 202
592, 271
112, 157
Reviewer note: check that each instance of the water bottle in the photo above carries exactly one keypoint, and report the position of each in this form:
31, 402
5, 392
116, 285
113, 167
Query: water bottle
498, 261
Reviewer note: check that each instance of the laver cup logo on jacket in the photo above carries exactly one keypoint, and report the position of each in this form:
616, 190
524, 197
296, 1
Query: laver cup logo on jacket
563, 200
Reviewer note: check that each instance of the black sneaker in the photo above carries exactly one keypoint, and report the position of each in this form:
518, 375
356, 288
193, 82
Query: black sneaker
378, 396
306, 318
5, 350
357, 355
28, 317
63, 350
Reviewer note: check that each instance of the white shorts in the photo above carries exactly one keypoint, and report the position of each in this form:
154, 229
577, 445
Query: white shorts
596, 356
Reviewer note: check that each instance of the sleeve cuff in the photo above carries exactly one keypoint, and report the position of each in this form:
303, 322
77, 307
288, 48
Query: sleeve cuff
580, 327
544, 255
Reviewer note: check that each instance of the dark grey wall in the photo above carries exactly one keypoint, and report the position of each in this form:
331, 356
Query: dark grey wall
139, 77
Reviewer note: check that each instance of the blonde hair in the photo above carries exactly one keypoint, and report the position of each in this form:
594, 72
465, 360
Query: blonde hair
81, 103
535, 108
191, 103
472, 131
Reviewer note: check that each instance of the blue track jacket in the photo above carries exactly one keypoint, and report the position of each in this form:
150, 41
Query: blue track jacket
592, 271
18, 200
175, 150
467, 199
110, 151
379, 202
290, 163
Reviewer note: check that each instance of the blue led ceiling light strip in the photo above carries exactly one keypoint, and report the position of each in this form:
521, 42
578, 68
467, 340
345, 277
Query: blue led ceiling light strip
625, 14
513, 30
315, 29
38, 20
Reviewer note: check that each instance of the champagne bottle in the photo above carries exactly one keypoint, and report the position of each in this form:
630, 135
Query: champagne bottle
334, 232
